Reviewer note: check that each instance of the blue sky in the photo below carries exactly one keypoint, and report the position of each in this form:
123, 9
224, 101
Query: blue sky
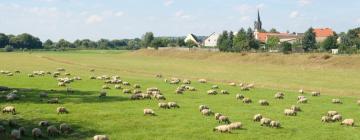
116, 19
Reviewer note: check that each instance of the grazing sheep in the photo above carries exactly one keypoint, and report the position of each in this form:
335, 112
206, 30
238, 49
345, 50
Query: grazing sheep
65, 128
9, 109
163, 105
179, 90
348, 122
22, 131
315, 93
61, 110
206, 112
186, 81
336, 101
36, 133
53, 131
224, 92
137, 86
136, 97
265, 121
105, 87
126, 91
295, 108
275, 124
191, 88
235, 125
326, 119
245, 88
215, 87
337, 117
239, 96
173, 105
61, 84
332, 113
117, 87
263, 102
289, 112
126, 83
44, 123
136, 91
217, 115
301, 91
224, 119
102, 94
149, 112
232, 84
301, 97
101, 137
202, 107
279, 95
202, 80
160, 97
53, 101
15, 135
145, 96
247, 100
211, 92
302, 101
222, 129
257, 117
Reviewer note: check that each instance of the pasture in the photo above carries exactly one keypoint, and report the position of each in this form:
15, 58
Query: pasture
121, 118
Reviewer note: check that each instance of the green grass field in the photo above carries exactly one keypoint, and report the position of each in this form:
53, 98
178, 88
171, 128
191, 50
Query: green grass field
121, 118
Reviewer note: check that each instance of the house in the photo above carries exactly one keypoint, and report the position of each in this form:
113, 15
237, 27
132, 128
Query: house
193, 38
283, 37
322, 33
211, 40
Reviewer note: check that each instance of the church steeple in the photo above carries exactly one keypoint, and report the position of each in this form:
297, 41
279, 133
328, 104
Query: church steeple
258, 23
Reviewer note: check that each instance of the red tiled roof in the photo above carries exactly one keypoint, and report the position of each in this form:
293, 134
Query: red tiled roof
323, 32
262, 37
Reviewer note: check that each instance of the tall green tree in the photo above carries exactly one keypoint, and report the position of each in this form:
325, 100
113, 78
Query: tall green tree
272, 42
64, 44
147, 38
25, 41
4, 40
329, 43
253, 43
48, 44
222, 41
241, 41
309, 40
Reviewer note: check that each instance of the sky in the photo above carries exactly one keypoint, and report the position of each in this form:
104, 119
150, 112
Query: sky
119, 19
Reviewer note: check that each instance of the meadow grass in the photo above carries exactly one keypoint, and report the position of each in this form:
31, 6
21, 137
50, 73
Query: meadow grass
121, 118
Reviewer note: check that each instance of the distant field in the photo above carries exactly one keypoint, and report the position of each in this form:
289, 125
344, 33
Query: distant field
121, 118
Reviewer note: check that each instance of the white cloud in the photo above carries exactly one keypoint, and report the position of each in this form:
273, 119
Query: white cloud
94, 19
182, 15
304, 2
294, 14
168, 2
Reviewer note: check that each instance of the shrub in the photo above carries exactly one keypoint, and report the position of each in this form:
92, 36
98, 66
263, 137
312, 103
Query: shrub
285, 47
8, 48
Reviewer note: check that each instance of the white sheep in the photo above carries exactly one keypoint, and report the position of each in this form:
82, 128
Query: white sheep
9, 109
336, 101
202, 80
223, 129
186, 81
117, 86
211, 92
173, 105
163, 105
247, 100
265, 121
65, 128
289, 112
149, 112
332, 113
295, 108
53, 131
235, 125
206, 112
61, 110
224, 119
301, 91
358, 102
302, 101
232, 84
348, 122
326, 119
215, 87
239, 96
217, 115
202, 107
257, 117
337, 117
126, 91
315, 93
101, 137
279, 95
263, 102
275, 124
224, 92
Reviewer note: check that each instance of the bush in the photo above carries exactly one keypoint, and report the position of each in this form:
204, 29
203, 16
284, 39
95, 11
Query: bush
8, 48
285, 47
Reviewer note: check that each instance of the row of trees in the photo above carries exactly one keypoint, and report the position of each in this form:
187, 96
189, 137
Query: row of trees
242, 41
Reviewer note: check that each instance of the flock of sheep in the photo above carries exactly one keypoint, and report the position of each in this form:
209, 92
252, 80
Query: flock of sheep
155, 93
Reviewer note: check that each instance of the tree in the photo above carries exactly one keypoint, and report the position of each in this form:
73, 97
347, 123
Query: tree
63, 44
4, 40
180, 42
25, 41
104, 44
285, 47
223, 41
272, 42
230, 41
253, 43
241, 41
273, 30
134, 44
8, 48
329, 43
147, 39
309, 40
48, 44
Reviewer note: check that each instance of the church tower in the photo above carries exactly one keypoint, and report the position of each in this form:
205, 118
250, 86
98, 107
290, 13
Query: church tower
258, 23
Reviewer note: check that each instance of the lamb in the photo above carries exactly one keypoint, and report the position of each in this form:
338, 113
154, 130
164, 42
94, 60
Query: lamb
36, 133
265, 121
65, 128
163, 105
301, 91
149, 112
247, 100
275, 124
61, 110
257, 117
145, 96
102, 94
191, 88
315, 93
295, 108
61, 84
279, 95
160, 97
326, 119
222, 129
202, 107
173, 105
206, 112
186, 81
289, 112
136, 97
117, 87
224, 92
332, 113
53, 101
136, 91
224, 119
179, 90
137, 86
235, 125
239, 96
126, 91
44, 123
302, 101
202, 80
101, 137
348, 122
15, 134
53, 131
211, 92
336, 101
9, 109
263, 103
337, 117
